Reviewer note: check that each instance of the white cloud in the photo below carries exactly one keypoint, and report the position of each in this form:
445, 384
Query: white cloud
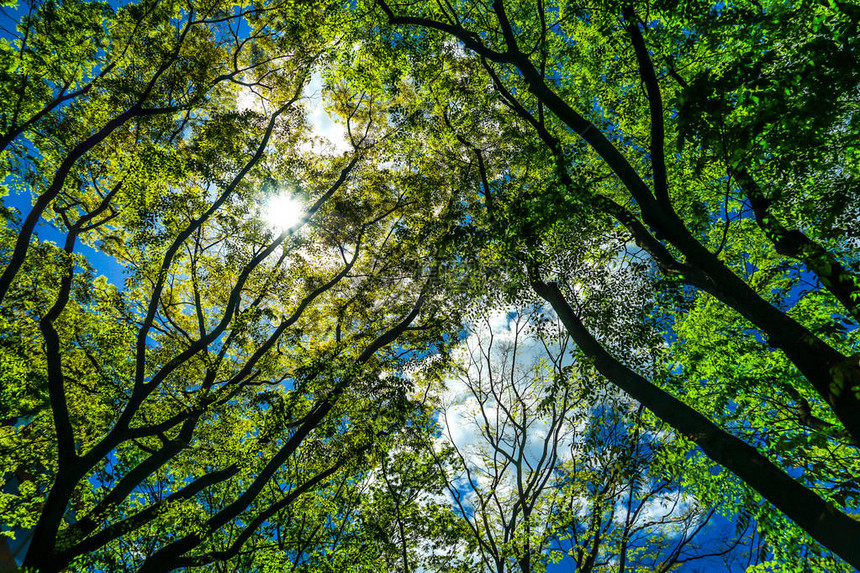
505, 369
328, 135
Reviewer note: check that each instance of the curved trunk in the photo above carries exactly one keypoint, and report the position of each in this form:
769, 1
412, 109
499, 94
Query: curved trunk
829, 526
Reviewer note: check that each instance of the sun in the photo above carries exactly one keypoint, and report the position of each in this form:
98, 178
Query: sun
283, 212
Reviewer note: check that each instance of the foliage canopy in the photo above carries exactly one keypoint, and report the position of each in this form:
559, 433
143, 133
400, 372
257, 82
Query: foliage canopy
665, 192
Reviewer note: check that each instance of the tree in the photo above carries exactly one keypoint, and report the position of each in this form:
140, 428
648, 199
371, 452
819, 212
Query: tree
240, 367
548, 463
621, 510
405, 517
520, 408
601, 89
676, 180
